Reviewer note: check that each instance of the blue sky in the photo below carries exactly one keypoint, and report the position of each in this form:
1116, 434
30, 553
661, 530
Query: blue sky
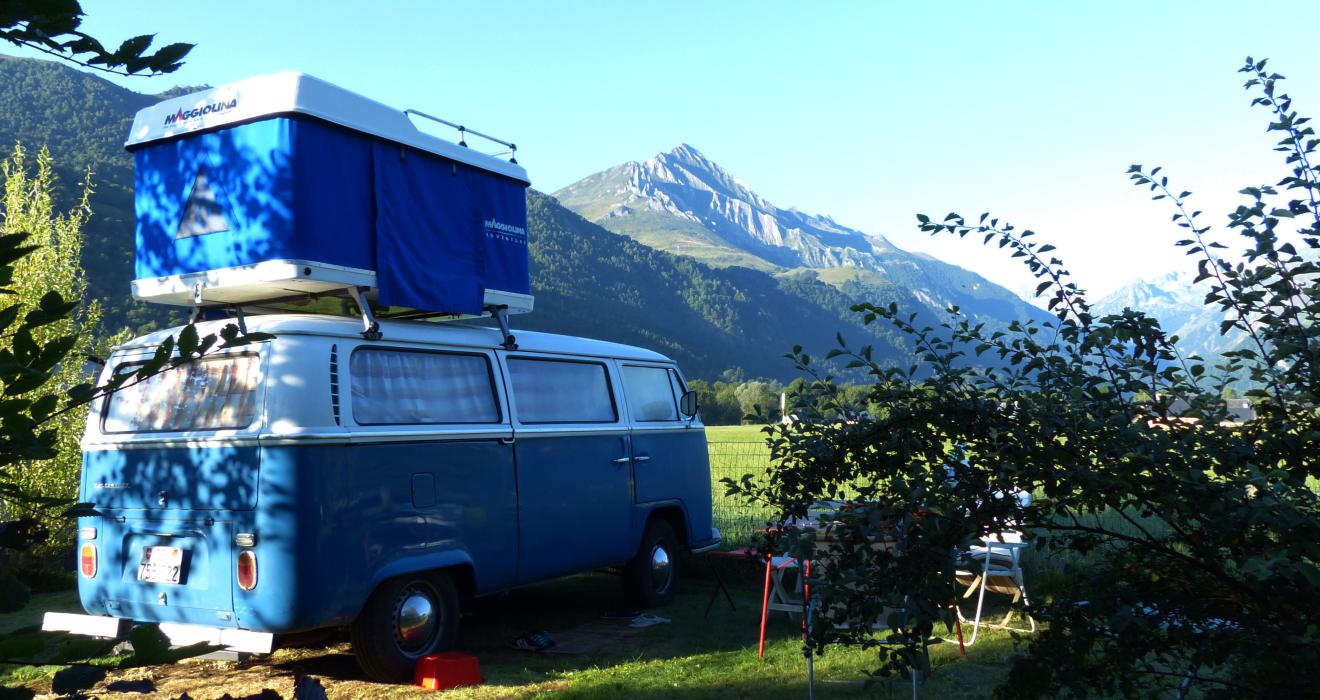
867, 111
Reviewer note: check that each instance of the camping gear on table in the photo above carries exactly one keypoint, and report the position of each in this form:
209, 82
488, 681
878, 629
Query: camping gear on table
284, 188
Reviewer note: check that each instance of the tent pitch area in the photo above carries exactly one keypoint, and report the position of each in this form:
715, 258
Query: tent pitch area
285, 188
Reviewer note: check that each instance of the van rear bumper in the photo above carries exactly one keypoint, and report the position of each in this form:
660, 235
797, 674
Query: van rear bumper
179, 635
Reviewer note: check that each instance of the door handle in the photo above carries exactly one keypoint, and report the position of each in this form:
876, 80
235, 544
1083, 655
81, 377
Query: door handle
643, 458
622, 460
506, 441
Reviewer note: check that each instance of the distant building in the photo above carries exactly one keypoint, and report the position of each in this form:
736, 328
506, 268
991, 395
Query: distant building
1239, 410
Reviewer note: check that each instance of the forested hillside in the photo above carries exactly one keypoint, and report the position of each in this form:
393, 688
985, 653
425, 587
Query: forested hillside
83, 120
587, 281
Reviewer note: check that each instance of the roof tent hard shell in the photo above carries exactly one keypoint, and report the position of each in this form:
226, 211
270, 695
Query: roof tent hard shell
285, 187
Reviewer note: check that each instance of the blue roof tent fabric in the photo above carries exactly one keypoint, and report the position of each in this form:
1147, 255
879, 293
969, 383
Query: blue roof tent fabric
446, 231
424, 233
437, 233
286, 188
503, 214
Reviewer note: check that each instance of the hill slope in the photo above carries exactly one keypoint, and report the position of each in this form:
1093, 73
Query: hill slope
587, 281
83, 120
1180, 307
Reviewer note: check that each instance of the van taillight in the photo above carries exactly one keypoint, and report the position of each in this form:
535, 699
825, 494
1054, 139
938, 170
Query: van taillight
247, 570
87, 560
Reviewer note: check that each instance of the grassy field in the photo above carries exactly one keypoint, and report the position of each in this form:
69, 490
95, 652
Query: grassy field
736, 450
735, 433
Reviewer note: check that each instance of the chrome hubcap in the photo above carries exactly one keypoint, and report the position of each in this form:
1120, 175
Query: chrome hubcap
414, 620
662, 570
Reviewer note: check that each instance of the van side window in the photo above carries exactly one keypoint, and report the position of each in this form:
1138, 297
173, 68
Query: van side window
561, 391
679, 387
213, 393
403, 387
650, 396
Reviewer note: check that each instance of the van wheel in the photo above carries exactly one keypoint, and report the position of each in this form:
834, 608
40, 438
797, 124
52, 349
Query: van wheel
651, 577
405, 619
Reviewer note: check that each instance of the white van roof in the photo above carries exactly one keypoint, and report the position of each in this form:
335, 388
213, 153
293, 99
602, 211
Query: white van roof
415, 332
289, 92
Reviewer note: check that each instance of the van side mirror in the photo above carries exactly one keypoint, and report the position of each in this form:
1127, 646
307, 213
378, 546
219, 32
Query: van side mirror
687, 405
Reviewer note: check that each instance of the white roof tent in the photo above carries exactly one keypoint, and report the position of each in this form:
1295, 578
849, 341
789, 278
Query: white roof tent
264, 96
286, 189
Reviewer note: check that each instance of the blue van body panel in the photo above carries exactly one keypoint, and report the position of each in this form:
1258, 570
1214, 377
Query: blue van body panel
332, 522
676, 469
576, 506
337, 519
203, 597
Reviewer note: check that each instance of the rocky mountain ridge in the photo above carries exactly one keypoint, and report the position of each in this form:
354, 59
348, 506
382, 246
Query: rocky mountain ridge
682, 202
1180, 307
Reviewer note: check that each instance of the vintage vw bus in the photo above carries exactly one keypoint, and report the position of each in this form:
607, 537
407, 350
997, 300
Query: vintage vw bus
320, 479
354, 471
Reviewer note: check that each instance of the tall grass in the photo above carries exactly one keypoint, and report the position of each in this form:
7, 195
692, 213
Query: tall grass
738, 450
736, 519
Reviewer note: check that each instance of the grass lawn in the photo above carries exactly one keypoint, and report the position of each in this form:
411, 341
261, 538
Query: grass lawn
691, 657
735, 433
736, 450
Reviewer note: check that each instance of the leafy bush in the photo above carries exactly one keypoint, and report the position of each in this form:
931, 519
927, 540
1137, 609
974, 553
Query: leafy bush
1196, 540
28, 208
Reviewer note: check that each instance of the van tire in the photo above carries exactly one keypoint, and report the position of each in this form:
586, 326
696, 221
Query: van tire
381, 641
644, 584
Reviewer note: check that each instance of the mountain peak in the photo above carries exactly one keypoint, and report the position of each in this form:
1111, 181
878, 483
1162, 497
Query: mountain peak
688, 158
702, 198
685, 150
682, 202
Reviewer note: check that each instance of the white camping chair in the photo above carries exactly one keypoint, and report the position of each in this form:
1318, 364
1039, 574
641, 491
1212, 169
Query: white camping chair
995, 565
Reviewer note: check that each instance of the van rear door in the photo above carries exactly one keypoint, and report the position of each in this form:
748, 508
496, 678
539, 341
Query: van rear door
170, 463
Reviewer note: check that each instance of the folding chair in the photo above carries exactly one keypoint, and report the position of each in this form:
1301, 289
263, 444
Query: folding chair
739, 553
995, 566
777, 597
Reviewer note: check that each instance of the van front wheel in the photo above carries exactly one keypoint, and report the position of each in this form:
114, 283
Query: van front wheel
650, 578
405, 619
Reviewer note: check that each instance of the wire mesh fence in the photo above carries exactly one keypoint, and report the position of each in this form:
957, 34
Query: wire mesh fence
736, 519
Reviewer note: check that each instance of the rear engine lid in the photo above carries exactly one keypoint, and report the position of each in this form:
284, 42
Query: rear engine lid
163, 477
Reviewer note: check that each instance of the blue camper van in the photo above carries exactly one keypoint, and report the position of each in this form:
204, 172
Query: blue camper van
320, 479
359, 470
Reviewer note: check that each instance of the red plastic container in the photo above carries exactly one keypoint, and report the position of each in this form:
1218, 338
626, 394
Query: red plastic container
451, 669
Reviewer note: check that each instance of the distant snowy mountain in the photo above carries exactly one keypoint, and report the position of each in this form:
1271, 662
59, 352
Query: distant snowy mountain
1180, 307
682, 202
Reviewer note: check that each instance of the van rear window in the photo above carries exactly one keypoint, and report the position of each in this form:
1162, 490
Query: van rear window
213, 393
401, 387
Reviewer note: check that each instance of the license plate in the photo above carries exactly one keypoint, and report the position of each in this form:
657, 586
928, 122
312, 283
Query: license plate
161, 565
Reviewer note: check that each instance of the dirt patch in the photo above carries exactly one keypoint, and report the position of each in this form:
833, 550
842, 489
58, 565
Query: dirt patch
597, 638
333, 667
